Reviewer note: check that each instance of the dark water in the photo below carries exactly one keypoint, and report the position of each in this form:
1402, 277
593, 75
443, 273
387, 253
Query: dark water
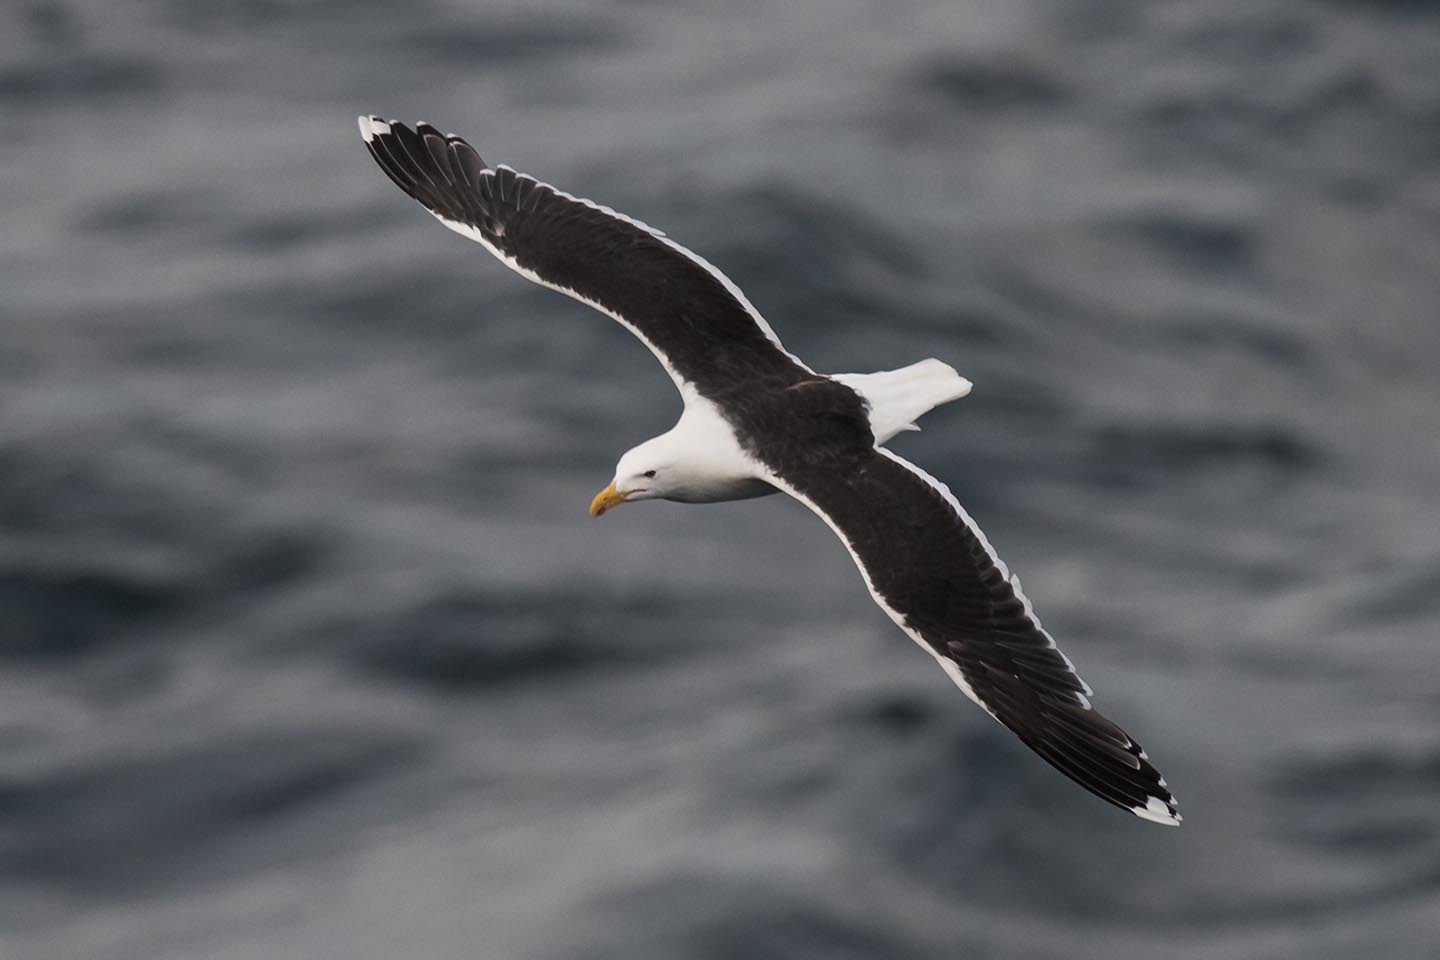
309, 650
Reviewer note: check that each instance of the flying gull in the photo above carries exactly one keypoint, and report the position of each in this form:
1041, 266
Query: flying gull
757, 420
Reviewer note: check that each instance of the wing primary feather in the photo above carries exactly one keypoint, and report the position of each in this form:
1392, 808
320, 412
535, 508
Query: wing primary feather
931, 569
697, 322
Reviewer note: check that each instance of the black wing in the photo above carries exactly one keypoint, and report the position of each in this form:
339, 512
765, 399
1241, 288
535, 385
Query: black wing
932, 570
693, 318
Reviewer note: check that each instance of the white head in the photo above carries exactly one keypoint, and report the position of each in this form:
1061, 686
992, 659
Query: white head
696, 461
651, 471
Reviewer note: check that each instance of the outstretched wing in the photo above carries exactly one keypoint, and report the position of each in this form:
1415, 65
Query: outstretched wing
931, 569
690, 315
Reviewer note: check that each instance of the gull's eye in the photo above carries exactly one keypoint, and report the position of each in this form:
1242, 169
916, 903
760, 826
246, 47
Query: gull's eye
650, 474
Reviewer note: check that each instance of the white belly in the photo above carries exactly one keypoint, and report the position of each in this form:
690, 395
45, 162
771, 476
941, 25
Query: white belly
737, 488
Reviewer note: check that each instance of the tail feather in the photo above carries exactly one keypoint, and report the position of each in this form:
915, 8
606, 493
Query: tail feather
898, 398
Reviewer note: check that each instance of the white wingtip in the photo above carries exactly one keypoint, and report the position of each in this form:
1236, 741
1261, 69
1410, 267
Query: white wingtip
371, 127
1156, 811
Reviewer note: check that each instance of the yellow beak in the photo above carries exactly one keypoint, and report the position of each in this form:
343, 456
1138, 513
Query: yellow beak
605, 499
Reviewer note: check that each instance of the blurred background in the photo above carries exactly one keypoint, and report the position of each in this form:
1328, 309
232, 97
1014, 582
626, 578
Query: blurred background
309, 649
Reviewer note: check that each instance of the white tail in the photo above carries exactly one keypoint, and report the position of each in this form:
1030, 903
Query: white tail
898, 398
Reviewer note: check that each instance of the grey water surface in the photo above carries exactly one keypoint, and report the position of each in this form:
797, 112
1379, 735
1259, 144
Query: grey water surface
308, 648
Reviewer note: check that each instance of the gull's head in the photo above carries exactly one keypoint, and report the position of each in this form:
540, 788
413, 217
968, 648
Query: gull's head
644, 473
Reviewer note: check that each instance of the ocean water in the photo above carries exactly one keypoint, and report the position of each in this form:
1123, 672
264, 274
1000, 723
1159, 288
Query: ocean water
309, 649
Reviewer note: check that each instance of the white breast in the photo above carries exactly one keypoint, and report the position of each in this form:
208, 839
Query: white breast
708, 459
